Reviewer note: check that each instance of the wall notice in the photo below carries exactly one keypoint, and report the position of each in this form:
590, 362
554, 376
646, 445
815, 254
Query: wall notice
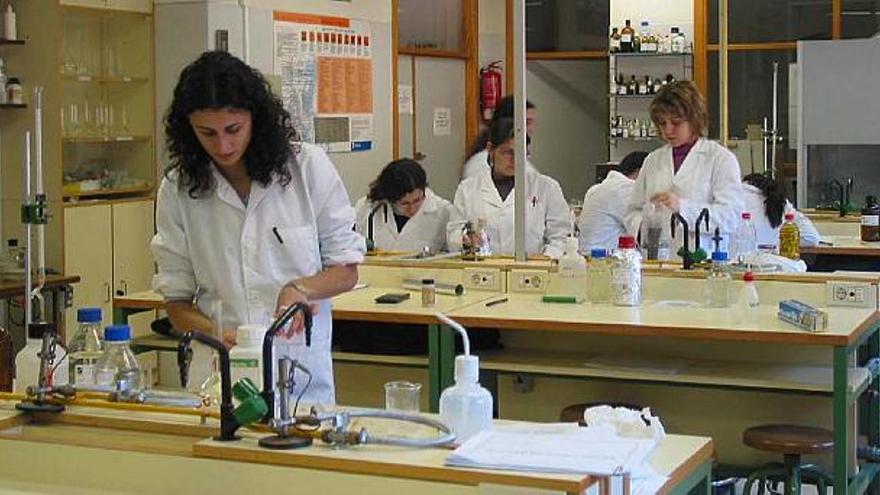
442, 121
326, 69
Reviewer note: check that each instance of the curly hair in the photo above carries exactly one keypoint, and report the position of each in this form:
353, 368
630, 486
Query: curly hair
683, 100
396, 180
215, 81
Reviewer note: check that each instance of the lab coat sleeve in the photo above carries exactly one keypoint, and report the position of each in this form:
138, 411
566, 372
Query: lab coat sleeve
338, 241
632, 221
458, 215
808, 233
175, 278
727, 195
557, 224
361, 213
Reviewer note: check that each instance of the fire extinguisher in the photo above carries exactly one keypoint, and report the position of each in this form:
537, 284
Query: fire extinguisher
490, 88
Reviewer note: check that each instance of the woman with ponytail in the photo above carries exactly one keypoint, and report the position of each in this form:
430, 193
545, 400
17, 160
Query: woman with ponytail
765, 199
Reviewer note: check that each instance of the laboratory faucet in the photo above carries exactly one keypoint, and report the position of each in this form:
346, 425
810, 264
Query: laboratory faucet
228, 423
269, 346
844, 189
686, 255
704, 217
371, 244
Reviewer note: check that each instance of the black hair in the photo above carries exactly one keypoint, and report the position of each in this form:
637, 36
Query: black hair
396, 180
501, 131
504, 110
774, 196
632, 163
216, 81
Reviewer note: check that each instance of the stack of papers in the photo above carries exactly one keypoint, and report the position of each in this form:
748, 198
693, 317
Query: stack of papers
562, 449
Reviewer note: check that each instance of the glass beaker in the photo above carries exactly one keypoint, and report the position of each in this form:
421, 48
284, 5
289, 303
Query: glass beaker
402, 396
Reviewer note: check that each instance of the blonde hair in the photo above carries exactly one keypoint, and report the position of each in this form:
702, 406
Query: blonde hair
682, 100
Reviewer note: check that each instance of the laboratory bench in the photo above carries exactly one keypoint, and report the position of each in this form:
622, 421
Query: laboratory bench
114, 451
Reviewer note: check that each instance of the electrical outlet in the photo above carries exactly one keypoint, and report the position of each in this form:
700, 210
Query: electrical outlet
528, 281
856, 294
482, 279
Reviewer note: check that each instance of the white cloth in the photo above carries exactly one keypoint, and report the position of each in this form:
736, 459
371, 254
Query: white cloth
753, 202
548, 221
231, 250
605, 205
709, 178
426, 228
479, 162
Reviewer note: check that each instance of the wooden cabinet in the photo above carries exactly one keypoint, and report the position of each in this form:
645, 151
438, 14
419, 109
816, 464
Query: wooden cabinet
108, 246
130, 5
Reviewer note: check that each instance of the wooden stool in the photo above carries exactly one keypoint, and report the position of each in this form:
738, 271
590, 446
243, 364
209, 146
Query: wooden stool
575, 412
792, 442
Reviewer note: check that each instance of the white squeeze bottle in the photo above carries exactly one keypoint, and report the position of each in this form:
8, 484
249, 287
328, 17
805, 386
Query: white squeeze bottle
571, 279
748, 302
246, 358
465, 407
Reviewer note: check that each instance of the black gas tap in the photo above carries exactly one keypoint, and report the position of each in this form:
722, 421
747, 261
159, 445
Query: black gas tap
686, 256
269, 346
704, 217
371, 243
228, 423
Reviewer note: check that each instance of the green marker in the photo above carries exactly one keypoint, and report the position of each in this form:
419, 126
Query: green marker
560, 299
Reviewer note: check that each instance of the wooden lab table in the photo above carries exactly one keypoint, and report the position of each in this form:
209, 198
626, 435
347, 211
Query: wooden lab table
142, 452
850, 330
844, 246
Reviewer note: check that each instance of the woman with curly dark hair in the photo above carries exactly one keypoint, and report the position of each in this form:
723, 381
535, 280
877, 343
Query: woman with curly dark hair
766, 202
417, 218
248, 216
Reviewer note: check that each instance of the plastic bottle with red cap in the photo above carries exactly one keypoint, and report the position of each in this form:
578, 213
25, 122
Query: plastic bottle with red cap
626, 273
745, 239
748, 301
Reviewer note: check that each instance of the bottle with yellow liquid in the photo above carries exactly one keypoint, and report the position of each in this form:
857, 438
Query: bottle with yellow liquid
789, 239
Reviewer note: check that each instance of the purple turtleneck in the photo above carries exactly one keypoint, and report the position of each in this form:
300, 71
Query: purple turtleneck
679, 153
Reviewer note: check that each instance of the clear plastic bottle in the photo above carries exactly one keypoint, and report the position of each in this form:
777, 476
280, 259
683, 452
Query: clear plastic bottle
599, 277
718, 282
679, 42
7, 360
626, 273
748, 301
117, 368
571, 279
466, 407
85, 347
790, 239
745, 239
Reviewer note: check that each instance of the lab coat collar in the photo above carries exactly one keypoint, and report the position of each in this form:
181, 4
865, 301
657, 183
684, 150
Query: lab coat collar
700, 147
615, 176
489, 192
430, 205
227, 193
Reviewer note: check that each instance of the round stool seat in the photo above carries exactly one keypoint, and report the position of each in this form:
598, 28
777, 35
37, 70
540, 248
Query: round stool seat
575, 412
789, 439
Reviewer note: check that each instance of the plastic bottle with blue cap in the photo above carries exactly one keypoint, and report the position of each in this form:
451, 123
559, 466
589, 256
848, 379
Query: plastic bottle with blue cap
465, 407
117, 368
85, 347
718, 282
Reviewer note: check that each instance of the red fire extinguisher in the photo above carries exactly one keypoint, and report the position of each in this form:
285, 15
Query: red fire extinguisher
490, 88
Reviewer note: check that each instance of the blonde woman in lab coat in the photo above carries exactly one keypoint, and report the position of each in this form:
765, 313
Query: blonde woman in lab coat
600, 223
248, 218
764, 199
690, 172
490, 196
401, 213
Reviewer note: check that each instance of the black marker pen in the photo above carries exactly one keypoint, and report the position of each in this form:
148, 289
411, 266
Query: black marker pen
277, 235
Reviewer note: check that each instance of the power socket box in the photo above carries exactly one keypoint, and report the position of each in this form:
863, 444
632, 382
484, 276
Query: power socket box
528, 281
853, 294
482, 279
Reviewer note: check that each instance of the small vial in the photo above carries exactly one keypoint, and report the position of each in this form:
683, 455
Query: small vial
429, 292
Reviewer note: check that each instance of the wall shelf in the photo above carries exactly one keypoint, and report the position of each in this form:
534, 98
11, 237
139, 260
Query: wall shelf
123, 191
85, 78
4, 41
102, 139
648, 54
13, 105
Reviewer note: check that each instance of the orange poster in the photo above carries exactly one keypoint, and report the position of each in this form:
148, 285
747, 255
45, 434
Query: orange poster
345, 85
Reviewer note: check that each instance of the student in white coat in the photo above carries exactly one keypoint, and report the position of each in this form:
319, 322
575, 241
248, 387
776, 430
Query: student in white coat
247, 217
690, 172
401, 213
600, 224
490, 196
765, 200
478, 160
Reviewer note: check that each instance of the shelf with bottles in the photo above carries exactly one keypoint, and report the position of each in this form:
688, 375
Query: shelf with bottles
626, 41
96, 170
632, 128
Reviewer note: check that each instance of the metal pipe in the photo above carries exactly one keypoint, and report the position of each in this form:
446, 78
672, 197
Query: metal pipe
519, 137
269, 348
441, 287
28, 276
774, 132
40, 198
724, 117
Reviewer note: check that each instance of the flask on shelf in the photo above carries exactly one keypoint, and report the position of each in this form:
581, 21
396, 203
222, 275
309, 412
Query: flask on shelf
614, 41
627, 33
870, 228
9, 28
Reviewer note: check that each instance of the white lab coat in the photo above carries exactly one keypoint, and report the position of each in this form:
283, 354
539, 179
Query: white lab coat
426, 228
231, 250
767, 235
602, 217
709, 178
548, 220
479, 162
